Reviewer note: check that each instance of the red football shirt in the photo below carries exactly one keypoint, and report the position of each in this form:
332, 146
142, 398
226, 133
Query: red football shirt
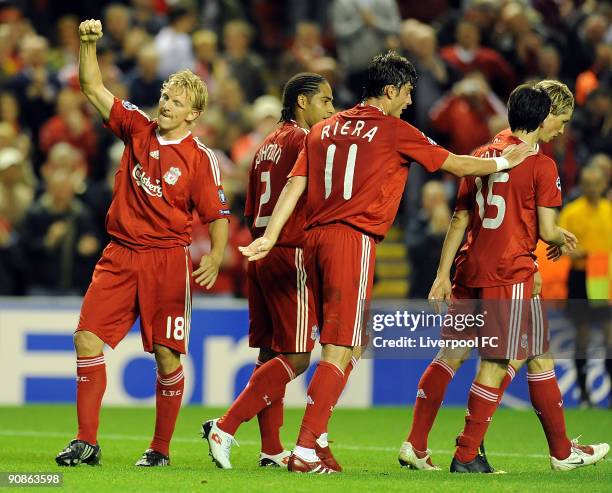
158, 184
271, 165
357, 162
503, 231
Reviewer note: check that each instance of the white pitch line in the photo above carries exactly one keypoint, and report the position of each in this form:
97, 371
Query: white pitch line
339, 446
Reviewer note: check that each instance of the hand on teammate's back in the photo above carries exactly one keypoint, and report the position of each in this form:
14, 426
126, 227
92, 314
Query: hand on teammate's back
258, 249
516, 154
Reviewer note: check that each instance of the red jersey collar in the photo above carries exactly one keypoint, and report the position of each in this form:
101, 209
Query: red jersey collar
164, 142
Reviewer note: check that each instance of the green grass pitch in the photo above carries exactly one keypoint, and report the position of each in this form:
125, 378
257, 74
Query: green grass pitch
365, 443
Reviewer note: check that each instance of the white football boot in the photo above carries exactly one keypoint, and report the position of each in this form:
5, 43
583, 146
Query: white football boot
413, 459
278, 460
580, 456
219, 443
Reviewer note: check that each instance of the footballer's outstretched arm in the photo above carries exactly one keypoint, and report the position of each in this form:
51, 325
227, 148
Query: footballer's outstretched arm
463, 165
441, 288
90, 78
288, 199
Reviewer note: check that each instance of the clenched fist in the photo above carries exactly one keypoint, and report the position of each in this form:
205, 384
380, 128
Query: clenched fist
90, 31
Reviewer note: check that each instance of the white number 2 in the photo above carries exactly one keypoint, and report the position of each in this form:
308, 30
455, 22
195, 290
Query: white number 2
262, 222
179, 328
492, 199
347, 191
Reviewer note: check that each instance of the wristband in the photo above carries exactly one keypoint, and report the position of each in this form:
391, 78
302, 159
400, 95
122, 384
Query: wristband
502, 163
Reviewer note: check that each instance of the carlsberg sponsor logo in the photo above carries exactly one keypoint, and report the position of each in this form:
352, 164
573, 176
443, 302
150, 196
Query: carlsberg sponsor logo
144, 181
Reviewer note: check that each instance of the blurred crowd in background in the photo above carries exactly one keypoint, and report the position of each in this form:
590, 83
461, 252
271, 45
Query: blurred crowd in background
57, 161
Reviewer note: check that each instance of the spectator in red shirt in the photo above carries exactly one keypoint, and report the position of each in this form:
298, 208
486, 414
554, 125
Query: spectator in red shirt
69, 125
467, 55
470, 115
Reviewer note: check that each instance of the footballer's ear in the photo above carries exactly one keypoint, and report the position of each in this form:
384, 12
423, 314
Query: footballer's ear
301, 101
390, 91
193, 116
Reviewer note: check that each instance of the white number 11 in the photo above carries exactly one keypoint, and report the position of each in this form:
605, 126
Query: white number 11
347, 191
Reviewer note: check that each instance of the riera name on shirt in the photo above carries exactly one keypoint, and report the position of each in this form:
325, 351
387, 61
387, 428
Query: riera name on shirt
353, 128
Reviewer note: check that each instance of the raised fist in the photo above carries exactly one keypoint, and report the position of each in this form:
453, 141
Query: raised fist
90, 31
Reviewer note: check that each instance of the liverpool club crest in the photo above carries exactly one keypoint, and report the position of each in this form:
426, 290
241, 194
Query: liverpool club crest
172, 175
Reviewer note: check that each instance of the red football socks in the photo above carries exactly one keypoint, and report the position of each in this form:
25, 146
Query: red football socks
91, 384
266, 386
169, 394
323, 393
270, 420
548, 405
508, 377
347, 371
482, 403
430, 394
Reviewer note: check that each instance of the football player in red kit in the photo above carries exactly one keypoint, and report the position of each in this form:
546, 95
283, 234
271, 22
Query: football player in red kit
353, 168
145, 271
283, 323
504, 216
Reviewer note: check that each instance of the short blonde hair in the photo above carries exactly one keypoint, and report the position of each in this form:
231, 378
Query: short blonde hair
560, 96
187, 81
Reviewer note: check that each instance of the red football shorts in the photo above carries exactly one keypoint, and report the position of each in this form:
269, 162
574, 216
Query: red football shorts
281, 307
153, 284
510, 314
340, 267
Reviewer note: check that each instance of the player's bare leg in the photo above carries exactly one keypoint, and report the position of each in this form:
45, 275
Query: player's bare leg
414, 453
169, 394
91, 384
323, 392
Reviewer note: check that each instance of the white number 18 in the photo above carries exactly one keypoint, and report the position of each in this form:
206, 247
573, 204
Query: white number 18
179, 329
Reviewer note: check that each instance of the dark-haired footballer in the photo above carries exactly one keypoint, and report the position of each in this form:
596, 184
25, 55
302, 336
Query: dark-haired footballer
504, 216
283, 323
354, 168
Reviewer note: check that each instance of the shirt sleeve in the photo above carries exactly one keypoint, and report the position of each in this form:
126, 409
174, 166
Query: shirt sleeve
465, 200
300, 168
207, 190
548, 184
126, 118
414, 144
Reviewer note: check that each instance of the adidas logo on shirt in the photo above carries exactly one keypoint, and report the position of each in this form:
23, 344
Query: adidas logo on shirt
421, 394
309, 400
